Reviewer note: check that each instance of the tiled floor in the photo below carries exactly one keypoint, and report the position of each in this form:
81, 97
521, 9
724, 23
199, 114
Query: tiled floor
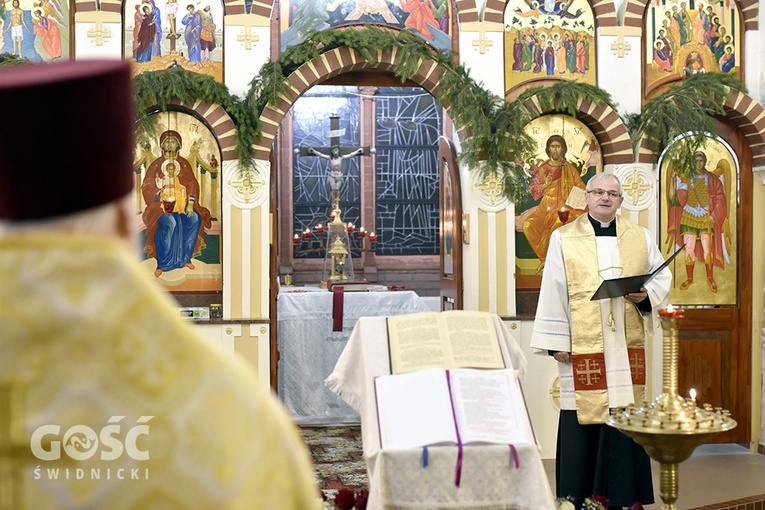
714, 474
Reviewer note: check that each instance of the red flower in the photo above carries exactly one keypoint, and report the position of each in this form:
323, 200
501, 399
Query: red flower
345, 500
363, 496
636, 506
601, 499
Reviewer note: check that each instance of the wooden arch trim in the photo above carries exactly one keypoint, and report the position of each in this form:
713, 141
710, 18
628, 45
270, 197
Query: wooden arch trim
635, 10
746, 114
218, 121
328, 65
467, 11
605, 124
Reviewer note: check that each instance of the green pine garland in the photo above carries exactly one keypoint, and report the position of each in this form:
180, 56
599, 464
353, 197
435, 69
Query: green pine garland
155, 90
9, 60
684, 108
496, 141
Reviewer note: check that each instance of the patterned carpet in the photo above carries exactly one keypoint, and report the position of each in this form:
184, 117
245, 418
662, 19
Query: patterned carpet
338, 459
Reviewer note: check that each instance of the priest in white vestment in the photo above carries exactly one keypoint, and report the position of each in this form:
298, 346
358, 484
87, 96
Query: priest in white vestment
599, 346
108, 400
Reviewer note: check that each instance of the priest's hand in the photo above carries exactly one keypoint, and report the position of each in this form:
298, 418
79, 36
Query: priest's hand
562, 357
637, 297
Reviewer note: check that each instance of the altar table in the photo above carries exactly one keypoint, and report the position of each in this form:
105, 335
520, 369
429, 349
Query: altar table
309, 348
397, 478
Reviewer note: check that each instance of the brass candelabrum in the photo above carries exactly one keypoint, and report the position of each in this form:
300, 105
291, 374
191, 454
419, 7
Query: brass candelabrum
671, 427
314, 238
337, 241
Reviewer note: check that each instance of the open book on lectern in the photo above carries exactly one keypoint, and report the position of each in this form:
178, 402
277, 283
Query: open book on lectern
617, 287
449, 339
434, 406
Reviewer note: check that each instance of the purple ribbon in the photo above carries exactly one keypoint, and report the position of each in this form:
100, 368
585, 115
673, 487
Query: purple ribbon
514, 455
458, 476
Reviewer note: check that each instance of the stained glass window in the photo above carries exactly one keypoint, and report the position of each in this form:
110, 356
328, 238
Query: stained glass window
408, 124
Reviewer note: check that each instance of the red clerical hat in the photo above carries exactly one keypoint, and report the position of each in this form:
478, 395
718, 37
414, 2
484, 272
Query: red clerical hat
66, 137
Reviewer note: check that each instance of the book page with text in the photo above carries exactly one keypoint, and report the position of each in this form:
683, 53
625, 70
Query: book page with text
490, 407
473, 340
414, 409
415, 342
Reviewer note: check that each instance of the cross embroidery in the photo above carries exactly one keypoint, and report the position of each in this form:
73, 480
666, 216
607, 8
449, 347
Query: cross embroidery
248, 38
589, 372
637, 365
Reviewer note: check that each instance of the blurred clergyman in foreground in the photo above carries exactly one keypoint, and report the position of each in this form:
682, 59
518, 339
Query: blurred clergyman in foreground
121, 404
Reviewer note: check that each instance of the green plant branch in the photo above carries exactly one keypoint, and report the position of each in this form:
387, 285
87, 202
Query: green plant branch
687, 108
496, 140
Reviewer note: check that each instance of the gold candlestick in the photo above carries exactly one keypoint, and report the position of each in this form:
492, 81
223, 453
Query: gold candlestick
670, 427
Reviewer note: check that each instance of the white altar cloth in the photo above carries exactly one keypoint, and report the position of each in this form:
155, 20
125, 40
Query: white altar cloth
398, 480
309, 349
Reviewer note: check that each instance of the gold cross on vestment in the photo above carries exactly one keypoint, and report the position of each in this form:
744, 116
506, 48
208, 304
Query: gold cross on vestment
481, 42
99, 33
14, 450
248, 38
621, 46
589, 372
636, 366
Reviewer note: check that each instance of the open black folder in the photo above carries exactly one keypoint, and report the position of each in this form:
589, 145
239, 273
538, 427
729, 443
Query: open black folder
616, 287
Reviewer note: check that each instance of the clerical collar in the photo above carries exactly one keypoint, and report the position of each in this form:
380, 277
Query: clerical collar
603, 229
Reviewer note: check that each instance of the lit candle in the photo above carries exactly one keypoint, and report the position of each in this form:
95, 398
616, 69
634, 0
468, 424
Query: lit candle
320, 228
372, 237
308, 234
351, 227
361, 232
693, 395
670, 312
296, 239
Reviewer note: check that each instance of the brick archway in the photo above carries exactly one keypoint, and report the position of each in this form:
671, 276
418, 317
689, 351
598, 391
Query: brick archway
746, 113
330, 64
606, 125
634, 11
219, 122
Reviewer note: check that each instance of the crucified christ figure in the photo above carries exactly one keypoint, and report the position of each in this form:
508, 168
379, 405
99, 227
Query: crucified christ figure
335, 176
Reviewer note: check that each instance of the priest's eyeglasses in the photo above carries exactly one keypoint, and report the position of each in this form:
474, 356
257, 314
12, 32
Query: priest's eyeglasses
600, 192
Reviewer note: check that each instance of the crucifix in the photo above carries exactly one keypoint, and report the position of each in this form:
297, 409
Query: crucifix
14, 451
336, 155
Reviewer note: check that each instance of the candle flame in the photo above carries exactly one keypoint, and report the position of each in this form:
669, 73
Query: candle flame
670, 308
693, 393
